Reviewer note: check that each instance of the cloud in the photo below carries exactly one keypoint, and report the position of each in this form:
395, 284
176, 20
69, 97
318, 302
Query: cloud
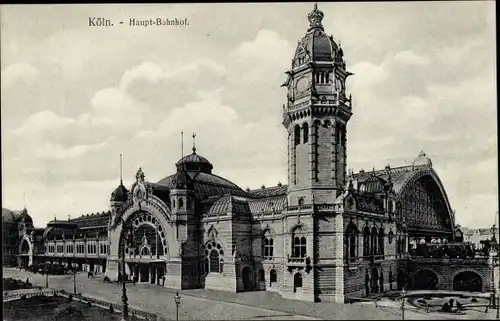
52, 151
18, 72
408, 57
146, 71
42, 121
78, 97
267, 45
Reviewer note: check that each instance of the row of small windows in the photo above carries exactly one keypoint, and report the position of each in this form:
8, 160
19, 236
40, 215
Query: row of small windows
305, 134
181, 203
373, 242
80, 248
322, 77
304, 138
91, 248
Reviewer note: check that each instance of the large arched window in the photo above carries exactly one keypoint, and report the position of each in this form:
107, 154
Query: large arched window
374, 241
297, 135
299, 247
381, 241
214, 261
366, 241
305, 133
268, 245
351, 239
299, 243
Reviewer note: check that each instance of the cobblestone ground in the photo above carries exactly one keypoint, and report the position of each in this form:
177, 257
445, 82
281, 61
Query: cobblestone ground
204, 304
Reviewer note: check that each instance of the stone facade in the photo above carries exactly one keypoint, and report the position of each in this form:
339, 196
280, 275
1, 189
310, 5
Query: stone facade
328, 235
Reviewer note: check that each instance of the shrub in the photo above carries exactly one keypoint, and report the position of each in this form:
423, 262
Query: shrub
473, 300
446, 307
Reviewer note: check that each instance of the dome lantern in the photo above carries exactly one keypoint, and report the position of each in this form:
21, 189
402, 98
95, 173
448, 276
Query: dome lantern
422, 160
315, 18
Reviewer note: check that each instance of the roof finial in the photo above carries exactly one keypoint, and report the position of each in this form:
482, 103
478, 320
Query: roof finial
315, 17
194, 143
121, 170
55, 218
24, 195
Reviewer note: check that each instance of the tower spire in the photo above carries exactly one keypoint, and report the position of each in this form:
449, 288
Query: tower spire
194, 143
121, 170
182, 143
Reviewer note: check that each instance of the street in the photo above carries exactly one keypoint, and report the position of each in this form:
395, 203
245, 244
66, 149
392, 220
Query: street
202, 304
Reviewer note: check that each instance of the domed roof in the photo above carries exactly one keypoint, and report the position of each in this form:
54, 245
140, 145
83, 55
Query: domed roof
181, 180
120, 194
25, 217
9, 216
204, 184
316, 45
194, 162
422, 160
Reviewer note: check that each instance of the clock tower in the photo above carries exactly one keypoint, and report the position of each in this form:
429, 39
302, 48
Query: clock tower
316, 115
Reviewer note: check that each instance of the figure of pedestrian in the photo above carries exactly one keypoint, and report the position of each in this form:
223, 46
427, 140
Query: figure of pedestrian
163, 280
133, 280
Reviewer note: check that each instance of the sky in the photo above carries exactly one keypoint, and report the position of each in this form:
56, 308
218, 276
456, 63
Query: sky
75, 97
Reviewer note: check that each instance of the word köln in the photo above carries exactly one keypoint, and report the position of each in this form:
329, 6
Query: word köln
99, 22
159, 22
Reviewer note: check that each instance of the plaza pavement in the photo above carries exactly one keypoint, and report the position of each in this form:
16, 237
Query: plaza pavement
202, 304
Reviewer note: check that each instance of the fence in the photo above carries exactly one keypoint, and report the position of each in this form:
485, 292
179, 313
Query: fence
134, 314
117, 308
12, 297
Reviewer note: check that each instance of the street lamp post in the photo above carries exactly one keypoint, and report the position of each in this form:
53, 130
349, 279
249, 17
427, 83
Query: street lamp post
46, 277
403, 293
74, 281
124, 289
177, 303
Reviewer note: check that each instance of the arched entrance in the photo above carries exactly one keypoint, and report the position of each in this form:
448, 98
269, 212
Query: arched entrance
247, 278
425, 280
468, 281
401, 279
297, 281
146, 248
375, 280
367, 284
25, 259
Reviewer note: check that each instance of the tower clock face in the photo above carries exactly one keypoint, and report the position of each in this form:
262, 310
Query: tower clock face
302, 84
